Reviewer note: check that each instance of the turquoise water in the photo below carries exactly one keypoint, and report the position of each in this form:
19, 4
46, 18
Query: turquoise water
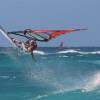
56, 74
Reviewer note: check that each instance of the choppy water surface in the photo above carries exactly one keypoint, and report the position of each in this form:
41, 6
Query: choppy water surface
56, 73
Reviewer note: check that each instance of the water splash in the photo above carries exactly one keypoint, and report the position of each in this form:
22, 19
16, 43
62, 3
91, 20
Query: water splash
92, 83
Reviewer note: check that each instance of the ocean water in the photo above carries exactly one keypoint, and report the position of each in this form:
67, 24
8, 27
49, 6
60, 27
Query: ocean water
55, 74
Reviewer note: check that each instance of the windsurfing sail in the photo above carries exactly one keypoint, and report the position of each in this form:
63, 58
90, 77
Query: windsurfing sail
43, 35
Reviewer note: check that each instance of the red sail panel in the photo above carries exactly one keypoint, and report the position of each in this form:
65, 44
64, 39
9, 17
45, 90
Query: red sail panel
52, 33
57, 33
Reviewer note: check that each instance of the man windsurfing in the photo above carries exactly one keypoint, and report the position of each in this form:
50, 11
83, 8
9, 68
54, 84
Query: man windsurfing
28, 46
31, 45
32, 37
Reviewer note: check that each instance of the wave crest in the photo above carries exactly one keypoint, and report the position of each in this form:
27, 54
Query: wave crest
80, 52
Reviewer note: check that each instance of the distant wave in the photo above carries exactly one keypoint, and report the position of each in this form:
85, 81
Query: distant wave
80, 52
38, 52
68, 51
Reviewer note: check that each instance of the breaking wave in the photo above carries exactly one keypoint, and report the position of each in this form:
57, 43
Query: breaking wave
79, 52
39, 52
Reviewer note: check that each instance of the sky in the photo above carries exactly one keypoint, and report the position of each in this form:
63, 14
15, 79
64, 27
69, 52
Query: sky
53, 14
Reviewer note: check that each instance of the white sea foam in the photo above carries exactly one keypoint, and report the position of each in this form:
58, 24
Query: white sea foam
64, 56
95, 52
68, 51
80, 52
92, 83
40, 96
39, 52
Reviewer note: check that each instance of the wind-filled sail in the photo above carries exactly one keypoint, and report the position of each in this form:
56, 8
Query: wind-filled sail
42, 35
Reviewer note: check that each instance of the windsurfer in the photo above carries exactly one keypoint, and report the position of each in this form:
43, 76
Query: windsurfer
27, 46
31, 45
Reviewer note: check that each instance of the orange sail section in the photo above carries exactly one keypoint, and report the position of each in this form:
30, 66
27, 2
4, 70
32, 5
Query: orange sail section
60, 32
52, 33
